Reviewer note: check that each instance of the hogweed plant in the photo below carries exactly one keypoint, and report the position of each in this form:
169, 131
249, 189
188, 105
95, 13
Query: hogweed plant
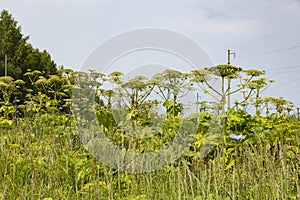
258, 159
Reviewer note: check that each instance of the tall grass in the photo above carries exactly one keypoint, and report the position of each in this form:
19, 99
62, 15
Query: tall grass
45, 160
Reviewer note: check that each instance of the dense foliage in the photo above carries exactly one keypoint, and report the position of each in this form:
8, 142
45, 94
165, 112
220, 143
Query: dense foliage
21, 56
42, 157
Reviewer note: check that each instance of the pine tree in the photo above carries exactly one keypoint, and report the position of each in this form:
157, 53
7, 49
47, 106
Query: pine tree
22, 57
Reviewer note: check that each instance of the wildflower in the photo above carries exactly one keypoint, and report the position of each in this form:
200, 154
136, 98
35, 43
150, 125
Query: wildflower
103, 184
236, 137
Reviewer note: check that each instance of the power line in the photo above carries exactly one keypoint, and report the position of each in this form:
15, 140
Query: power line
272, 52
284, 68
283, 71
287, 85
284, 84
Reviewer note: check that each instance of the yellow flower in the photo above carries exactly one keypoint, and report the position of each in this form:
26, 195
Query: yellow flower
103, 184
14, 145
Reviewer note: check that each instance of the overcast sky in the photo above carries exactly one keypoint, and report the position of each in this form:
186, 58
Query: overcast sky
263, 34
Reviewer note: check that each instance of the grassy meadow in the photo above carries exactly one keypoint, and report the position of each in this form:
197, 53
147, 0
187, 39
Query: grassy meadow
43, 158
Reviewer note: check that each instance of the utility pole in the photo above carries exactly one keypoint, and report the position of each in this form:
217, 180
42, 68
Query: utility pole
5, 63
197, 103
229, 79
